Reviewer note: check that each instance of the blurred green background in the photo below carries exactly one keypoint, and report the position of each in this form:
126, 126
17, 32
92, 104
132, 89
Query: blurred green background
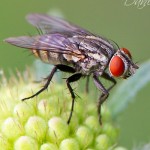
128, 26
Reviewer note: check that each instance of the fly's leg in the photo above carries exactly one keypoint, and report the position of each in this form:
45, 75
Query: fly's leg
105, 92
49, 78
72, 78
65, 68
109, 78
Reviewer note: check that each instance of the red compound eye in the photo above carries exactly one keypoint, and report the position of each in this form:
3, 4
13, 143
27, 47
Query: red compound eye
116, 66
126, 51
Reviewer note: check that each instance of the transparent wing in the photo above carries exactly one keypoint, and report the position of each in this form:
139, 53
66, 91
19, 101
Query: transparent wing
50, 24
56, 43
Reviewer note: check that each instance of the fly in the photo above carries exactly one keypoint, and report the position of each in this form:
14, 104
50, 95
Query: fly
77, 51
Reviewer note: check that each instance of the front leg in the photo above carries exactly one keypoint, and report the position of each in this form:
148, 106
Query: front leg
109, 78
103, 97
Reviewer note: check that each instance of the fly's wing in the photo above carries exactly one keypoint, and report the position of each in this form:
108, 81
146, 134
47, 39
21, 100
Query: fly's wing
50, 43
50, 24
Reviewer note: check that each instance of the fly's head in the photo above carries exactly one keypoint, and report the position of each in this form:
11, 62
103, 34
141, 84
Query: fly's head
121, 64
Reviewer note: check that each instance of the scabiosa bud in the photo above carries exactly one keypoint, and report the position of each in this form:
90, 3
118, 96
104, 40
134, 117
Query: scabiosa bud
22, 111
41, 122
12, 128
69, 144
48, 146
85, 136
58, 129
25, 143
36, 127
102, 142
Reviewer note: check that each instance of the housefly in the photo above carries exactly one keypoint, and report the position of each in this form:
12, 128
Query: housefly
77, 51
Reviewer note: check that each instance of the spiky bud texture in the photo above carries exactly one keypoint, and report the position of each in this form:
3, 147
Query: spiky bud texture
41, 123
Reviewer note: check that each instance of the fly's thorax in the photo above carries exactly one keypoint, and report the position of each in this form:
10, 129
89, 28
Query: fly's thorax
91, 64
98, 57
97, 52
75, 56
95, 44
92, 42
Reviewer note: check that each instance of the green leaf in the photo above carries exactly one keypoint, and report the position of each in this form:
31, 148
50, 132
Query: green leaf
128, 89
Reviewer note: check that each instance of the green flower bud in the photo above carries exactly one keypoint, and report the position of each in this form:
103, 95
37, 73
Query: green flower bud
25, 143
12, 129
69, 144
4, 143
48, 146
73, 125
41, 123
92, 123
105, 113
57, 129
85, 136
44, 108
47, 107
23, 111
111, 131
36, 127
102, 142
